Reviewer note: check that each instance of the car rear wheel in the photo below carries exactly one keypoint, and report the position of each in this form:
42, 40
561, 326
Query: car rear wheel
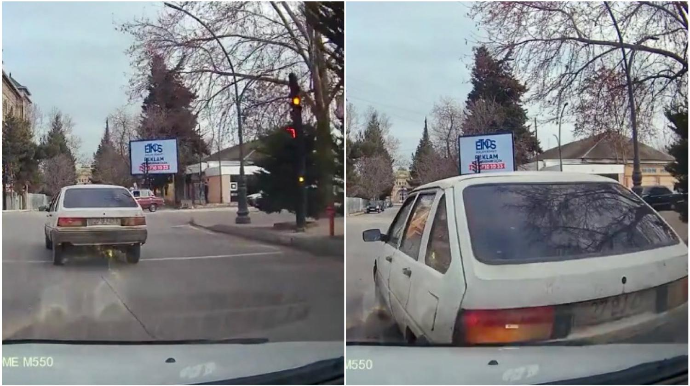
58, 254
49, 244
153, 208
133, 253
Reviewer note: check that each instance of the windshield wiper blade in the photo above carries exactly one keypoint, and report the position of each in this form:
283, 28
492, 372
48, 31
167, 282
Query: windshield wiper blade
138, 342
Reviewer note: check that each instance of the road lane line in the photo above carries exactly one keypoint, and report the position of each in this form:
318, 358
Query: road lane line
162, 258
214, 257
26, 261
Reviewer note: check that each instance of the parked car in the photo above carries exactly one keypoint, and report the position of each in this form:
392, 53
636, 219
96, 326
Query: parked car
528, 256
147, 199
374, 206
94, 215
660, 197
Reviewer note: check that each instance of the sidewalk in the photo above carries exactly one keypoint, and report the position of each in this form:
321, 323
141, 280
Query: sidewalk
315, 240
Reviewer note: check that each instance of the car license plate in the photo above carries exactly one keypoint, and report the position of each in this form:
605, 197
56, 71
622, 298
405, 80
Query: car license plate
613, 308
103, 221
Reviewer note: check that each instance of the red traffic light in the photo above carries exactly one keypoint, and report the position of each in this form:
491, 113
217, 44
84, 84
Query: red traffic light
292, 132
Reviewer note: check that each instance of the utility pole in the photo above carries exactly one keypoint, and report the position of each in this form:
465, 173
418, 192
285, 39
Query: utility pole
296, 115
536, 137
560, 119
146, 173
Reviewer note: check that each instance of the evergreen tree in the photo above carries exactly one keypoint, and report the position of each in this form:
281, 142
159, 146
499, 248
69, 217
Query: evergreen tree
424, 154
679, 150
108, 166
54, 142
19, 163
371, 144
279, 182
58, 161
492, 80
167, 113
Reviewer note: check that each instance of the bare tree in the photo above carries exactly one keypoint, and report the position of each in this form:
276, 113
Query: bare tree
123, 129
447, 117
481, 116
433, 167
375, 176
266, 41
57, 172
564, 50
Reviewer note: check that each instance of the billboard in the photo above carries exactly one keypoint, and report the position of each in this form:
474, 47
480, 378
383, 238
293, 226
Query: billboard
493, 152
159, 154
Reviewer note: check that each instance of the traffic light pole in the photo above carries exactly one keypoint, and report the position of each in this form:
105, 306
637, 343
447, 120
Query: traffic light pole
296, 114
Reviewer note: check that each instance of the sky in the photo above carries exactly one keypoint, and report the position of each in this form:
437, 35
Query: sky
402, 57
70, 56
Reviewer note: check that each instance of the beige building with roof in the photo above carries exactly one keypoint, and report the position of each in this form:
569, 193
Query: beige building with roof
16, 98
609, 155
401, 185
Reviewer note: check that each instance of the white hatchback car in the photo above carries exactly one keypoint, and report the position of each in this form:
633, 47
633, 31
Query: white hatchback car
95, 215
528, 256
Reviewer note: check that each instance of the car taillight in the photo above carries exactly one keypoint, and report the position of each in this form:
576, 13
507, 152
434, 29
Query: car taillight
71, 222
133, 221
506, 326
677, 293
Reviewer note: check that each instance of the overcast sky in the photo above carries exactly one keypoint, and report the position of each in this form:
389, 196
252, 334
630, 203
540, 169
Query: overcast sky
402, 57
70, 56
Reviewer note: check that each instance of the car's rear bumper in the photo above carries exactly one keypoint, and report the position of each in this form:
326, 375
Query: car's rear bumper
85, 237
642, 327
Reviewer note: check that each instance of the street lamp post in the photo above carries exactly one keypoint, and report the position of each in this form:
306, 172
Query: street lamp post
560, 119
558, 140
242, 210
637, 173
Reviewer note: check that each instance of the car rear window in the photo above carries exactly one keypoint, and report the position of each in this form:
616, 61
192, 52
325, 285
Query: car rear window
515, 223
98, 198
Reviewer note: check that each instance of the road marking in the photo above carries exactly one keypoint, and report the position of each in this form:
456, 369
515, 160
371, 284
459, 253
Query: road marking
162, 258
26, 261
214, 257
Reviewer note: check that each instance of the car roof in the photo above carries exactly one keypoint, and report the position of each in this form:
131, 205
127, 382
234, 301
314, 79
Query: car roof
93, 186
518, 176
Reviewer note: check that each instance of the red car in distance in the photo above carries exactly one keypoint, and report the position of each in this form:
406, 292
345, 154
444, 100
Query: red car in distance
147, 199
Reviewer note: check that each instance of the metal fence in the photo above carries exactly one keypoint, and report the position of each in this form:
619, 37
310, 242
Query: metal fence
32, 201
355, 205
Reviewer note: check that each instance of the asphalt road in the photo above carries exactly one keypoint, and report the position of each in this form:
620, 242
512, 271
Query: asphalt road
190, 284
366, 323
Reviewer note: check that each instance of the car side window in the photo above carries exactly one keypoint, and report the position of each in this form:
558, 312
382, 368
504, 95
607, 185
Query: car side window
438, 248
53, 204
412, 237
396, 228
660, 191
136, 193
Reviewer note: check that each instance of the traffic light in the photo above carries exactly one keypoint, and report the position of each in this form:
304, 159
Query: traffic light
295, 97
298, 134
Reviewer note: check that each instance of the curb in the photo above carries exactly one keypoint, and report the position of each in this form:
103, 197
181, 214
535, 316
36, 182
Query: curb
321, 246
355, 214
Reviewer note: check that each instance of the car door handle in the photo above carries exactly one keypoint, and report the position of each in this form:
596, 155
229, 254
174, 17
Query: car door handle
389, 258
407, 272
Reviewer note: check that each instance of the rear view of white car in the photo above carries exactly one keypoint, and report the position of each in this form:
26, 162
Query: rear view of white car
95, 215
529, 256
